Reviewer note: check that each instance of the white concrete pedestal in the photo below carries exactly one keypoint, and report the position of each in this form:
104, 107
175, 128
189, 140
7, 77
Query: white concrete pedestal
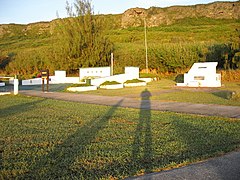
15, 83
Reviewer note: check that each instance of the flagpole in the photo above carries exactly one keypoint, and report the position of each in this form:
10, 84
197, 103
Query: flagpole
145, 29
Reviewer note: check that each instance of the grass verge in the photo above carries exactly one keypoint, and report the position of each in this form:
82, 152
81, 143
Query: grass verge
50, 139
165, 90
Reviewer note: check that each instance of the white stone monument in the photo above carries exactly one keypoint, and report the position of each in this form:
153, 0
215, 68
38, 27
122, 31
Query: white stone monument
202, 75
94, 72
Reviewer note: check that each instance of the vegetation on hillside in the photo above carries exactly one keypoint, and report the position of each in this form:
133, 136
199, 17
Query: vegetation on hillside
172, 48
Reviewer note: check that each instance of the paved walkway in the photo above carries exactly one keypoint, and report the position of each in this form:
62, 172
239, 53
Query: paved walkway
226, 167
190, 108
221, 168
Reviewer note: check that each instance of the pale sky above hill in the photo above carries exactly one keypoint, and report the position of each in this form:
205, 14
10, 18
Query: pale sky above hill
29, 11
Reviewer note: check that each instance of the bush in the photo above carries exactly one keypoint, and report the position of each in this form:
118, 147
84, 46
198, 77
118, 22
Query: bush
230, 75
109, 83
225, 94
79, 85
134, 81
147, 75
179, 78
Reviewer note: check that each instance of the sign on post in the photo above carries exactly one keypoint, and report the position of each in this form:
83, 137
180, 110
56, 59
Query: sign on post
45, 75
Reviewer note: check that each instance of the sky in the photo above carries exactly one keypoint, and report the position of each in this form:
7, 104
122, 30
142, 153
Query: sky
30, 11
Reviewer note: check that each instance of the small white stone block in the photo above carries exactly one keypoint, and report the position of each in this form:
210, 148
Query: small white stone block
135, 84
81, 89
114, 86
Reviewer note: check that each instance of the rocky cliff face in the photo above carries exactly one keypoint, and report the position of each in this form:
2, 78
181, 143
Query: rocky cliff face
134, 17
39, 28
156, 16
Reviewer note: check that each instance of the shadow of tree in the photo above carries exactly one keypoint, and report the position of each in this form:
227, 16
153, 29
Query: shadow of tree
1, 153
22, 107
58, 163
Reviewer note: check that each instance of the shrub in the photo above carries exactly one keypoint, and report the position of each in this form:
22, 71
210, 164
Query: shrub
134, 81
79, 85
147, 75
179, 78
225, 94
109, 83
230, 75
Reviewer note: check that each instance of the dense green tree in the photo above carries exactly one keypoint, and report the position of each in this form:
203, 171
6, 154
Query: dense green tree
27, 64
80, 39
227, 55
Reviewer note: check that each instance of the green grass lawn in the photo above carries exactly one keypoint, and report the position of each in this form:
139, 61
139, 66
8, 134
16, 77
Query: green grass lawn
220, 96
50, 139
165, 90
198, 97
155, 86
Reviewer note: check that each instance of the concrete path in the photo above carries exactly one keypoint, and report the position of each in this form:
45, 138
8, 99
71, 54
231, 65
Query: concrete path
221, 168
190, 108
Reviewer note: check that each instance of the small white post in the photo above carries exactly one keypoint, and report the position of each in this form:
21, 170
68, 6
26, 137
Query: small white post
111, 64
15, 82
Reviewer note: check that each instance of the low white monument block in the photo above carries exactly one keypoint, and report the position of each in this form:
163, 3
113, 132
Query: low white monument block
82, 89
202, 75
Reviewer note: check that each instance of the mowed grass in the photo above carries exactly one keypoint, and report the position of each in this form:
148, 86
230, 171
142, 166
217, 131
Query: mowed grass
165, 90
50, 139
229, 94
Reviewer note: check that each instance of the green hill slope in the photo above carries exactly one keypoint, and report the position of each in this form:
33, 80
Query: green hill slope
173, 44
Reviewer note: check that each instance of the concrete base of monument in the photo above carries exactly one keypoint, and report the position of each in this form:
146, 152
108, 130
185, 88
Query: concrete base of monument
114, 86
4, 93
135, 84
83, 88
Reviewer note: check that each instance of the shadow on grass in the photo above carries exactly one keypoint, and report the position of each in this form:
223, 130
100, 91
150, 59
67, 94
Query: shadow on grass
141, 159
202, 140
52, 87
58, 163
142, 152
1, 153
224, 94
7, 88
23, 107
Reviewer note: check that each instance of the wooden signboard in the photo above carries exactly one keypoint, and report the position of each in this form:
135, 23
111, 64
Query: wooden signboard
45, 75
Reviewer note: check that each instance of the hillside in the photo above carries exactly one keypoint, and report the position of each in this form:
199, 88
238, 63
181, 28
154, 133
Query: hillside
165, 16
177, 37
154, 16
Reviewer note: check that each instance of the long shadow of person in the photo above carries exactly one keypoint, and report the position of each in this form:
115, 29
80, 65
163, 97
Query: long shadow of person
142, 153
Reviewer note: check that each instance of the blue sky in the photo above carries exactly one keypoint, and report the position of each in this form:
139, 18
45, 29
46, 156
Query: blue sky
29, 11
